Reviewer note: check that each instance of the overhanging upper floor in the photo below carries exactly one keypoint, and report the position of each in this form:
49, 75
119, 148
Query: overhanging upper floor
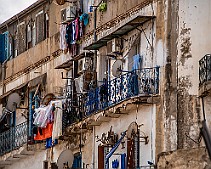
117, 30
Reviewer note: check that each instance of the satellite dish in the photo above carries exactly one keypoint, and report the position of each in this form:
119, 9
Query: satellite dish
60, 2
46, 100
117, 68
132, 129
65, 158
13, 102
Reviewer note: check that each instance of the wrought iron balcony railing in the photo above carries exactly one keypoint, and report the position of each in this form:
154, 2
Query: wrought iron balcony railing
73, 109
205, 69
137, 82
13, 138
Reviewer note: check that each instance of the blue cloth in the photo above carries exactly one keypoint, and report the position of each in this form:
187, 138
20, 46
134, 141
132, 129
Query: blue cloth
136, 62
49, 142
85, 18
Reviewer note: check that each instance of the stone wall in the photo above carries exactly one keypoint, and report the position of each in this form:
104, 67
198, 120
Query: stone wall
196, 158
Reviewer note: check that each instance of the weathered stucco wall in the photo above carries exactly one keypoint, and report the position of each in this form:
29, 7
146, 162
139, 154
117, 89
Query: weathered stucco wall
185, 159
193, 43
33, 55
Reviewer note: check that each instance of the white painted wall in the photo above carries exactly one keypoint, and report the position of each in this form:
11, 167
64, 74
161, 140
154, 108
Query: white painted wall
36, 161
194, 15
145, 116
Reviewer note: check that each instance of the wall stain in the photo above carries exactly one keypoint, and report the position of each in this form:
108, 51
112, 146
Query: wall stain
185, 47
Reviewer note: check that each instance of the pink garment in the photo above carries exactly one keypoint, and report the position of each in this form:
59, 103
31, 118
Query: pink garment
77, 29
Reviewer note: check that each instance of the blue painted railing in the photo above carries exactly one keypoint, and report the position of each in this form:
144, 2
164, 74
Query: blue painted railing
134, 83
13, 138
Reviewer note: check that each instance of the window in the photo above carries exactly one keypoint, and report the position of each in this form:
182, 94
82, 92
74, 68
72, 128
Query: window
21, 37
40, 26
33, 33
15, 45
29, 35
46, 26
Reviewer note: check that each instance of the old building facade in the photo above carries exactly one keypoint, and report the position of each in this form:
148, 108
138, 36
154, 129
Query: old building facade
106, 84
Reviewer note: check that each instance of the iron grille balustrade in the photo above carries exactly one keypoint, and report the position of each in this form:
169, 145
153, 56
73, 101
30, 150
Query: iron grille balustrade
73, 108
13, 138
205, 69
134, 83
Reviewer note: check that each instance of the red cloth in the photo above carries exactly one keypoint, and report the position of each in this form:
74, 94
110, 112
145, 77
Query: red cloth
46, 132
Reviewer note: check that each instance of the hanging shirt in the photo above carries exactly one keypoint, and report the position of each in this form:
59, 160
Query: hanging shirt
57, 126
73, 33
63, 44
68, 35
136, 62
77, 37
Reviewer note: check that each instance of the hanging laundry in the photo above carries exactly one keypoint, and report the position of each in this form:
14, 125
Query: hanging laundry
63, 43
73, 40
48, 116
85, 18
136, 62
81, 29
77, 35
57, 127
39, 116
44, 133
68, 35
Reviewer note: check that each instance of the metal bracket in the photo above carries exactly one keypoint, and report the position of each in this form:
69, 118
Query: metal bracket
69, 78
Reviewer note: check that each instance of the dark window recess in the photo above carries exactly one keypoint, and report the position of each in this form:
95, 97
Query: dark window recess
33, 33
45, 164
29, 35
46, 31
4, 46
54, 166
40, 24
21, 38
15, 45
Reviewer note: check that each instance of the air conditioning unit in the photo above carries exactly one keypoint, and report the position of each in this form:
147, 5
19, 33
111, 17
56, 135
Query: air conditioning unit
81, 65
84, 64
68, 14
114, 45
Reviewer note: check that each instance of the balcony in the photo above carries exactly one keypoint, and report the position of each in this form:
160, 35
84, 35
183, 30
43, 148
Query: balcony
13, 138
137, 83
142, 82
205, 75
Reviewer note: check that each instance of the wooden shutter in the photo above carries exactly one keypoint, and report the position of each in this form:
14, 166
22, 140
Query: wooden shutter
130, 154
40, 27
100, 157
4, 46
21, 38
